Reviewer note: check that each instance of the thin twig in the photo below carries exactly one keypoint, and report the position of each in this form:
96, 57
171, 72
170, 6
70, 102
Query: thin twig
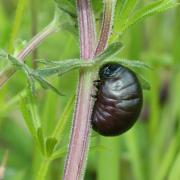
6, 74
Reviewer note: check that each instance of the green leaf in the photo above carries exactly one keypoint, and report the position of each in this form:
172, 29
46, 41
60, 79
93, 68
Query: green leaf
30, 114
67, 6
47, 62
117, 16
129, 63
123, 10
50, 145
3, 54
14, 61
40, 137
144, 83
32, 106
19, 65
45, 84
59, 153
61, 67
112, 50
31, 84
98, 148
29, 111
27, 117
62, 122
16, 26
64, 16
127, 8
150, 10
32, 74
174, 171
126, 15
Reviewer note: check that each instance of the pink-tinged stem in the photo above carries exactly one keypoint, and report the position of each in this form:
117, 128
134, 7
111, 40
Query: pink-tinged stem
76, 158
106, 26
32, 45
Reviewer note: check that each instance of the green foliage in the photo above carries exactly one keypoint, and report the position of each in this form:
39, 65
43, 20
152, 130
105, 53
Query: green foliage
32, 75
150, 10
17, 22
40, 138
67, 6
50, 145
127, 15
28, 117
149, 151
65, 15
46, 145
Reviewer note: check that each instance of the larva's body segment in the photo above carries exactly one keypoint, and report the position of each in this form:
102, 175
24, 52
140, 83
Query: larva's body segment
119, 100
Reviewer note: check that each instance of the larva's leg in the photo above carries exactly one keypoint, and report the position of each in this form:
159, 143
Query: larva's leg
94, 96
96, 83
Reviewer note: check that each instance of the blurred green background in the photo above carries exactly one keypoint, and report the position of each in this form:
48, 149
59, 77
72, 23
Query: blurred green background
150, 150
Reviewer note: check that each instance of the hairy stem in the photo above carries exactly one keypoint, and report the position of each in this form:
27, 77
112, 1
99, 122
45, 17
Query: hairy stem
6, 74
81, 125
109, 6
80, 131
76, 158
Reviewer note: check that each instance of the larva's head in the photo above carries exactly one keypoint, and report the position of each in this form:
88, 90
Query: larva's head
109, 71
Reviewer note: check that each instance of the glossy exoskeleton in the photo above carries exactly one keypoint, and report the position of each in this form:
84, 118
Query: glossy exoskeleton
118, 100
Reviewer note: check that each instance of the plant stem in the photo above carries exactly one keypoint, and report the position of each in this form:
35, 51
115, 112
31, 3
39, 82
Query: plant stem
43, 169
109, 6
34, 24
6, 74
81, 124
76, 158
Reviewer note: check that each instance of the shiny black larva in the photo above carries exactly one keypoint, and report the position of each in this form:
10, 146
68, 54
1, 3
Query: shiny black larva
118, 102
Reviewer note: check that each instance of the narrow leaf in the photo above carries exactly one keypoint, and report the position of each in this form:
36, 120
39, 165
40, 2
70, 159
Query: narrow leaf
46, 85
31, 105
41, 140
50, 144
174, 172
61, 67
59, 153
48, 62
29, 112
62, 122
67, 6
15, 62
150, 10
144, 83
65, 18
112, 50
129, 63
98, 148
127, 9
27, 116
117, 16
3, 54
20, 65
